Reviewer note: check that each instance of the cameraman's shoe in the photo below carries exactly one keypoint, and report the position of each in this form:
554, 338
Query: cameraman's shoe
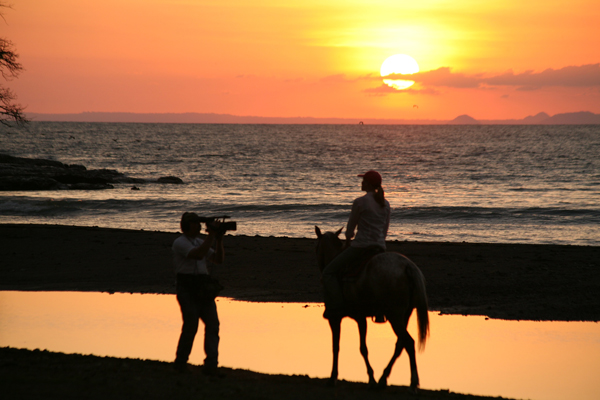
181, 367
212, 371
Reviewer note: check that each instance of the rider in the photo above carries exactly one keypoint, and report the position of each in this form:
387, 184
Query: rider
371, 214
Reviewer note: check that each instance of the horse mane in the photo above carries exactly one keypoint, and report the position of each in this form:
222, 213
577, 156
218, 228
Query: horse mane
329, 244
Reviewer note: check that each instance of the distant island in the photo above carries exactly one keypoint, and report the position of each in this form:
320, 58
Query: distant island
576, 118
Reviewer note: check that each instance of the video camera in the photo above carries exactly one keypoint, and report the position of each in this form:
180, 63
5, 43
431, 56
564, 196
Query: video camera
219, 228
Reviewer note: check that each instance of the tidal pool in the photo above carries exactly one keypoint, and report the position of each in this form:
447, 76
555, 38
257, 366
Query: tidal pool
518, 359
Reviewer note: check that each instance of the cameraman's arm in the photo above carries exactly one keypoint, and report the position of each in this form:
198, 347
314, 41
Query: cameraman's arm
200, 252
219, 255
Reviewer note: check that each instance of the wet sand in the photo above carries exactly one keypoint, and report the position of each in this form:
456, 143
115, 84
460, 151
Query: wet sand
507, 281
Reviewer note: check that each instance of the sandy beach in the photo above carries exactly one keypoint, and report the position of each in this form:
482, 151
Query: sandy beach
506, 281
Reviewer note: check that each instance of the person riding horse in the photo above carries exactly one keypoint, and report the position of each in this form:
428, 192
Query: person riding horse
371, 215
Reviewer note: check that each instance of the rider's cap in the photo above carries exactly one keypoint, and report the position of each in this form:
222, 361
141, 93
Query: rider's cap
372, 177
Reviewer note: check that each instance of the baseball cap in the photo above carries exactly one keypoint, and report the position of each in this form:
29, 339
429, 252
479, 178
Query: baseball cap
373, 177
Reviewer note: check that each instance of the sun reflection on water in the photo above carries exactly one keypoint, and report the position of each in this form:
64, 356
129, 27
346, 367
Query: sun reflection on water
526, 359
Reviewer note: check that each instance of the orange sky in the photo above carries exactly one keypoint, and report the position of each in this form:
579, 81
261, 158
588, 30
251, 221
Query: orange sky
491, 59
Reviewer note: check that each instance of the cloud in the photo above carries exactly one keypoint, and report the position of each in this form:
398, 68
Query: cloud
581, 76
571, 76
441, 77
385, 89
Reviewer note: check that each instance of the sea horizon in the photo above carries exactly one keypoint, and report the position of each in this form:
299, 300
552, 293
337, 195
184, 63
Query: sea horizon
541, 118
535, 184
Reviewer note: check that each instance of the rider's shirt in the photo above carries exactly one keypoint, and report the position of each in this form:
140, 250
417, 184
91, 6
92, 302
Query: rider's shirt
371, 219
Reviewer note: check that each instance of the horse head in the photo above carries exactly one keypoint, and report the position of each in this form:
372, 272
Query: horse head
329, 245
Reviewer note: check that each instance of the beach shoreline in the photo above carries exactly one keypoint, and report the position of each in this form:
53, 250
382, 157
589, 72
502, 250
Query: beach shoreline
505, 281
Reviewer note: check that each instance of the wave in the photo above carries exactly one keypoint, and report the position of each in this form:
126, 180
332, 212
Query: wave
290, 211
489, 213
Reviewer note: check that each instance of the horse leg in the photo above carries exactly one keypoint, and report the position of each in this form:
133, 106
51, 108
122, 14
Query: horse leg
362, 329
397, 351
404, 341
409, 345
336, 326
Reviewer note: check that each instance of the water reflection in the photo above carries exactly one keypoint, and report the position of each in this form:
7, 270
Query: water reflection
538, 360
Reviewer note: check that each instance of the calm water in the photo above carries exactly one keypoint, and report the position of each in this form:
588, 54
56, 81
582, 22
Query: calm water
526, 184
526, 359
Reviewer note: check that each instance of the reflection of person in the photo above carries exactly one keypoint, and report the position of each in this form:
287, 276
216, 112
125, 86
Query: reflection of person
190, 256
371, 215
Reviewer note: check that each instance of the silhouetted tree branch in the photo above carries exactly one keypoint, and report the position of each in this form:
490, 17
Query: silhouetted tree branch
9, 68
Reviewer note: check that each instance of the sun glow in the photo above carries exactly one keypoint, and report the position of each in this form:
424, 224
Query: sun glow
399, 64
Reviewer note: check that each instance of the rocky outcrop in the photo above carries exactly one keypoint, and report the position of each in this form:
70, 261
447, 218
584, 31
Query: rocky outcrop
38, 174
170, 179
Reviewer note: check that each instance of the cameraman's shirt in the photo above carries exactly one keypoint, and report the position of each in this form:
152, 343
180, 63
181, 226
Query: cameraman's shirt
184, 265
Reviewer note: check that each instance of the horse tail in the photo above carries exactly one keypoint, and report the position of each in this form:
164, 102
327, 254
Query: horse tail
419, 299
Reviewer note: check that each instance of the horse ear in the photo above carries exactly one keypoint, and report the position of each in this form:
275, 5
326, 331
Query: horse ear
318, 231
339, 232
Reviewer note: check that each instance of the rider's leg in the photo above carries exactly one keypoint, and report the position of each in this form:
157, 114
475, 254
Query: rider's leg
334, 299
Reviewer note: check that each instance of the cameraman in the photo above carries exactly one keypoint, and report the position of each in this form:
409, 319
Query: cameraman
190, 256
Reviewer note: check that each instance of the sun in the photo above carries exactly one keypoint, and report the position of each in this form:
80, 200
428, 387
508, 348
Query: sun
399, 64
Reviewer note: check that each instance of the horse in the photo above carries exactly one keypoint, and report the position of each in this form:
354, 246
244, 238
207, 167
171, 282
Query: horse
390, 285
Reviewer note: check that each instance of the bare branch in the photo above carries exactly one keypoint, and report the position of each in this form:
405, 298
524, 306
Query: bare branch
9, 66
10, 111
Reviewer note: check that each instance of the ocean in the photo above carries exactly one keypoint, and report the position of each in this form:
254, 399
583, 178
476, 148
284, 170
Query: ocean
536, 184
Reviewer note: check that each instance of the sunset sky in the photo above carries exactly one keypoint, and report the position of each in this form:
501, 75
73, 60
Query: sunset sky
488, 59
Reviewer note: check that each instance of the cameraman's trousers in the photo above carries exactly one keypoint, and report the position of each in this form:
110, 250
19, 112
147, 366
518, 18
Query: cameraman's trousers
194, 308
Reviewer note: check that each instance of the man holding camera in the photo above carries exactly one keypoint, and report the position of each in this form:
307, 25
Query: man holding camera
196, 290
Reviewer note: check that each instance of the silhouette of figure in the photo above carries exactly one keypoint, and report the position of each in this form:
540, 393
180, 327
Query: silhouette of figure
190, 257
371, 215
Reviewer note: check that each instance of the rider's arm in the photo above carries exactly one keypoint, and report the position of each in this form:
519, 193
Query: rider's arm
352, 221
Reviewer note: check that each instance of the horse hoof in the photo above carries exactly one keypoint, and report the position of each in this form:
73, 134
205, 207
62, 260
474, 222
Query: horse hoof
413, 390
372, 384
331, 382
382, 384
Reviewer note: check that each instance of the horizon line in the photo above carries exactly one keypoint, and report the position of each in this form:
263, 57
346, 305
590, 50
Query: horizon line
581, 117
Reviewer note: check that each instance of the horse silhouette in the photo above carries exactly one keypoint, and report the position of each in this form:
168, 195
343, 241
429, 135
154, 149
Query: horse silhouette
390, 285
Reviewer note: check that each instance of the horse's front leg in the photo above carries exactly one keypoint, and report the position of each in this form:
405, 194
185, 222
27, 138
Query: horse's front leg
336, 326
362, 330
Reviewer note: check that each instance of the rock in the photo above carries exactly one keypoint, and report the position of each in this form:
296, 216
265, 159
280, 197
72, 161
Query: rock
170, 179
28, 183
18, 173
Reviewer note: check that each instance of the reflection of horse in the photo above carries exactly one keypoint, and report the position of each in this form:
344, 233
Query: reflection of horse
389, 285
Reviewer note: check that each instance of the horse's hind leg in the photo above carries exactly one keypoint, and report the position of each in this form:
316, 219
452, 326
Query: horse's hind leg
362, 330
404, 341
409, 345
397, 351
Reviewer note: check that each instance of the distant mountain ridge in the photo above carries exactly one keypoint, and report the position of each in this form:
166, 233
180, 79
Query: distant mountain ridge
575, 118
